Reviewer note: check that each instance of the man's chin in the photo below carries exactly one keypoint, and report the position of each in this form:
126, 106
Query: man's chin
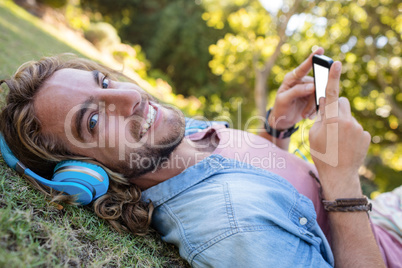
152, 158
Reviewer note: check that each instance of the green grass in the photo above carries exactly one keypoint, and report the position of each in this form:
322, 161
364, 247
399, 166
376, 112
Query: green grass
24, 38
33, 232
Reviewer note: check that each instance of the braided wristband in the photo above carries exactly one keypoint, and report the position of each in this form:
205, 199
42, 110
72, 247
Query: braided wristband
279, 134
347, 205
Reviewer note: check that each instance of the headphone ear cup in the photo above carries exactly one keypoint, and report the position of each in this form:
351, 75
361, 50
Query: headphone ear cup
90, 177
87, 181
84, 195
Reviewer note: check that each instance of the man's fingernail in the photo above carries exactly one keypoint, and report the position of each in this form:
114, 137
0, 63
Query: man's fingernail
322, 106
338, 66
309, 87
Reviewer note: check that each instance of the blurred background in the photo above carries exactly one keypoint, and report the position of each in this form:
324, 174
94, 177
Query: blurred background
225, 59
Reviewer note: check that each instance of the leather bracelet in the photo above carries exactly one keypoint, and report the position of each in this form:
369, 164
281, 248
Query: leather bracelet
279, 134
347, 205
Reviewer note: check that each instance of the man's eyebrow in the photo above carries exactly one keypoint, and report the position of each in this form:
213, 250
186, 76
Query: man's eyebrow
80, 116
95, 74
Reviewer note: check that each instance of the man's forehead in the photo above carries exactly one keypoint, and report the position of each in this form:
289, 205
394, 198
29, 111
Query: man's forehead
69, 76
65, 89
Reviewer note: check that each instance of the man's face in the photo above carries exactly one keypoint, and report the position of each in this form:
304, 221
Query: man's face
116, 123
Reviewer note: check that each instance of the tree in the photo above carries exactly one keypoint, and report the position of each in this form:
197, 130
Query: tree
364, 35
255, 44
173, 36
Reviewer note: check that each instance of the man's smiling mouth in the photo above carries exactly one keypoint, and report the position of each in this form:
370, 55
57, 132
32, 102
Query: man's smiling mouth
149, 121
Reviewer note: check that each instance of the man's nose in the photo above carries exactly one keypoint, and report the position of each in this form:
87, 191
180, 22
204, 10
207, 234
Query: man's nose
121, 102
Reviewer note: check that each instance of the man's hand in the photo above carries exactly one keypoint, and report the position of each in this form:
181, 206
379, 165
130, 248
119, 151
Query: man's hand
338, 147
295, 98
338, 142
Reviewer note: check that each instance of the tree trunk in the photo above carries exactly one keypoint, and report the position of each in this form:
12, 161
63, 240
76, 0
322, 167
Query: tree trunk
262, 75
260, 92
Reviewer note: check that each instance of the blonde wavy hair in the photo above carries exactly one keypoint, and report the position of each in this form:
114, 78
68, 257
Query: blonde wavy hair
121, 206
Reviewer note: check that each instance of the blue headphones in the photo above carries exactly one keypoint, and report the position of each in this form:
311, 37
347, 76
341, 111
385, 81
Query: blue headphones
87, 181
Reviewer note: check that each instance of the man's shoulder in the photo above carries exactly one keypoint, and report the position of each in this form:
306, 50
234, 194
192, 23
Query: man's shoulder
233, 201
228, 194
217, 175
220, 198
247, 190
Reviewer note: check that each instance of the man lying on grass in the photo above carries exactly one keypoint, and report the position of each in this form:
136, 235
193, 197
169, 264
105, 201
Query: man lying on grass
224, 197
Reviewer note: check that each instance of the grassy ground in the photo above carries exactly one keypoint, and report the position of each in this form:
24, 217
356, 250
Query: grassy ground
33, 232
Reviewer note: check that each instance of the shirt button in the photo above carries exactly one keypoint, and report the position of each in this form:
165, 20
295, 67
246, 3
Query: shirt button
302, 221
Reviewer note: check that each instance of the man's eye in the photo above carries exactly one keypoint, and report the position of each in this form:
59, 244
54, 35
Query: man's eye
93, 121
105, 82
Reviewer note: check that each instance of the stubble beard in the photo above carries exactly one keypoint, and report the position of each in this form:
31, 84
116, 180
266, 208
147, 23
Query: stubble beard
150, 158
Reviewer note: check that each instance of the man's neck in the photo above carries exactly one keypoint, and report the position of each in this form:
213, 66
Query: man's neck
187, 154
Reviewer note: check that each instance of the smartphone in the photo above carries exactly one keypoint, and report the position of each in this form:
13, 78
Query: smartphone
321, 66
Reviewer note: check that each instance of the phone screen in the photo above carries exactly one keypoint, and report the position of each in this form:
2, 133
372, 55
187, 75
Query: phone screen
321, 79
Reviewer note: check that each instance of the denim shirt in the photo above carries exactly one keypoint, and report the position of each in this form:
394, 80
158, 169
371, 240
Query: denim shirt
225, 213
194, 125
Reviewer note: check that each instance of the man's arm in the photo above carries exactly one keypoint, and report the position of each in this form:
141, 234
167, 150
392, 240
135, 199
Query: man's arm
281, 143
338, 147
353, 241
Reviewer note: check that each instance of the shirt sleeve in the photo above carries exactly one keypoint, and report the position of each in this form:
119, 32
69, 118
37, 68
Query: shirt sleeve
273, 247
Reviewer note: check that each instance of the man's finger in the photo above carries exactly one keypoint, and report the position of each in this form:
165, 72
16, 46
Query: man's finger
309, 110
321, 106
308, 79
344, 107
304, 68
332, 90
367, 138
298, 91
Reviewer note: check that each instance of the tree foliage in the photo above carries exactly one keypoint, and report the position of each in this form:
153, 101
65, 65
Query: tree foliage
173, 36
261, 36
364, 35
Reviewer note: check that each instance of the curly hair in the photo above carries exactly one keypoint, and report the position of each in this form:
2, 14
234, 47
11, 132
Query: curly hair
121, 206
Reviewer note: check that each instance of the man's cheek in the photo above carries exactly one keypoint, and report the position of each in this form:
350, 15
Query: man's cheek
128, 131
